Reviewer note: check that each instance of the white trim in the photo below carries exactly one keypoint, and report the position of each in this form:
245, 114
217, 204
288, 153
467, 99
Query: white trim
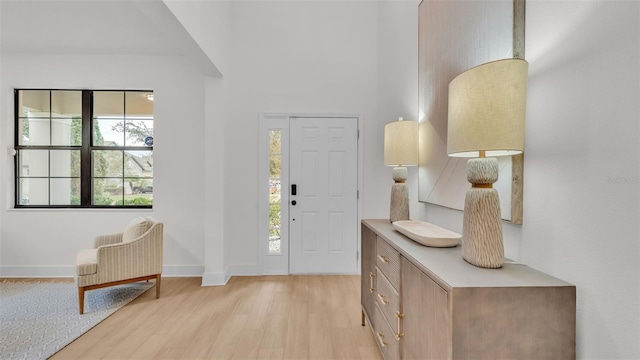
67, 271
269, 263
182, 270
60, 271
221, 279
214, 279
241, 270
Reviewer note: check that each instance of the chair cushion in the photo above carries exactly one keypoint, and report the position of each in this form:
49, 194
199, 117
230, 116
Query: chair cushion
87, 262
135, 228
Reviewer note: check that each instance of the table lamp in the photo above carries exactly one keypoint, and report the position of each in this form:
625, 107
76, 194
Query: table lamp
485, 119
400, 150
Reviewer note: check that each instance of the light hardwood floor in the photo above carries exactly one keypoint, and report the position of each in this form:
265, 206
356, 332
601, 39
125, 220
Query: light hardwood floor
267, 317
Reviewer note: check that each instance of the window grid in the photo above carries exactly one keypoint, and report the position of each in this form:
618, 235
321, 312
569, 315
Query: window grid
76, 134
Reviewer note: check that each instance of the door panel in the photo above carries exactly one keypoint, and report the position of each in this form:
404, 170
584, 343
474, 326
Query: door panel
323, 222
336, 233
310, 237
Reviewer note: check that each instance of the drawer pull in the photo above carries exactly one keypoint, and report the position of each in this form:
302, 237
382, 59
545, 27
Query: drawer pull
371, 288
382, 299
399, 334
383, 258
381, 338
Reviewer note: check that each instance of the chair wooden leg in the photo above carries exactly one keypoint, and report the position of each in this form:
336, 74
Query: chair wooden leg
157, 286
81, 300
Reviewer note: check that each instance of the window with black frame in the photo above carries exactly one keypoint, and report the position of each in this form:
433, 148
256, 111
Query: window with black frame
83, 148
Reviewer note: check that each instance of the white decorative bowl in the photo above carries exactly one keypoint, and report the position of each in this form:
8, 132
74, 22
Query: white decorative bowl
427, 234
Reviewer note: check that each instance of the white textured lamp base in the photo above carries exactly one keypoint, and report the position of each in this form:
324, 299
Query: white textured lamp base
399, 202
482, 244
399, 195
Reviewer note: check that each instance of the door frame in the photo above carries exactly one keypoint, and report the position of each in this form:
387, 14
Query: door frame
279, 264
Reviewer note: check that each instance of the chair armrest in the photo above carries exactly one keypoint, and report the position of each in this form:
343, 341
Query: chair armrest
102, 240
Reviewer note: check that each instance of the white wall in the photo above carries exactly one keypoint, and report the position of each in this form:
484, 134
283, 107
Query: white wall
582, 168
305, 57
44, 242
208, 24
582, 172
214, 217
397, 97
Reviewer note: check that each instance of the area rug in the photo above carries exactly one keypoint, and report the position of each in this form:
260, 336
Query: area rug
37, 319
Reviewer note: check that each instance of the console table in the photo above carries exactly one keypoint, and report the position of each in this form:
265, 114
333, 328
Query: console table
428, 303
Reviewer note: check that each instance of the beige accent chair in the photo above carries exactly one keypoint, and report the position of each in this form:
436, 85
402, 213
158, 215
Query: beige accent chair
129, 256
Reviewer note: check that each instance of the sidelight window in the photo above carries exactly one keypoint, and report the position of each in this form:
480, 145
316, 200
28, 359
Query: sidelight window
275, 193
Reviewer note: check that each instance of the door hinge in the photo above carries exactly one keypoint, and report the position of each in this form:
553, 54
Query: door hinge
357, 255
358, 132
357, 194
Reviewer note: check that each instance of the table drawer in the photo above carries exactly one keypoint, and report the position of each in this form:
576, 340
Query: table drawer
387, 298
388, 261
386, 337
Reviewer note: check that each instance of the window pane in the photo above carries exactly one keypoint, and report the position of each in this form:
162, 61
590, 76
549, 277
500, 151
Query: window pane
138, 192
139, 104
108, 104
274, 234
64, 192
34, 191
274, 214
274, 166
108, 132
66, 131
274, 225
65, 163
138, 164
274, 241
34, 131
274, 186
34, 103
137, 132
142, 186
107, 191
34, 163
274, 141
107, 163
66, 104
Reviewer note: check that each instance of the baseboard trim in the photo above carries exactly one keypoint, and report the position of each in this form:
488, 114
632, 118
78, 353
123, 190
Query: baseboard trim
217, 279
67, 271
214, 279
241, 270
60, 271
182, 270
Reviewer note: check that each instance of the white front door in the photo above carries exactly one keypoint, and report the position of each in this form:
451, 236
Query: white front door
323, 195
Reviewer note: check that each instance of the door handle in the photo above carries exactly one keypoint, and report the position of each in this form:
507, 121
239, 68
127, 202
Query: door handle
293, 203
294, 189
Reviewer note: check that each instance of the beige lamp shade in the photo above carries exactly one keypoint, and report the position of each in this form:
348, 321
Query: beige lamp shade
487, 106
401, 143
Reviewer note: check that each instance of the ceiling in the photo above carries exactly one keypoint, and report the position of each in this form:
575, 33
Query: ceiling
90, 27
